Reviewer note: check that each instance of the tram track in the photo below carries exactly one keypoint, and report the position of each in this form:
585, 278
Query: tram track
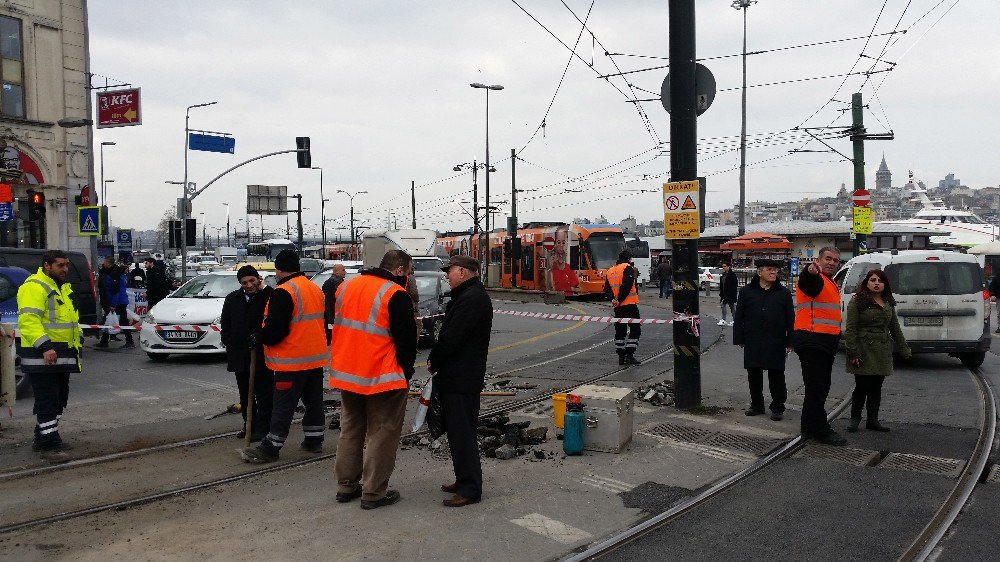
505, 407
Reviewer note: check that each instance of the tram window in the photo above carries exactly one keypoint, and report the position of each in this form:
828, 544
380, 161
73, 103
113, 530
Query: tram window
574, 257
496, 254
528, 261
506, 256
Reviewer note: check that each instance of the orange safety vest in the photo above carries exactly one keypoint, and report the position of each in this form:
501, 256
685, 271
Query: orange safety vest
615, 275
821, 314
305, 345
363, 355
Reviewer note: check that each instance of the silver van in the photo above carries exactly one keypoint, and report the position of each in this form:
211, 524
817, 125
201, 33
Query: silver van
940, 299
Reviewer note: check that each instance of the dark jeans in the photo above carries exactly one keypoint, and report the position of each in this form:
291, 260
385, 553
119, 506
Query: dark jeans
665, 288
51, 392
122, 311
263, 395
460, 414
627, 335
775, 384
867, 391
817, 366
289, 387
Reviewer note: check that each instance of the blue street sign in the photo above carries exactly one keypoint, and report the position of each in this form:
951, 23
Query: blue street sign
212, 143
793, 265
89, 221
125, 237
6, 211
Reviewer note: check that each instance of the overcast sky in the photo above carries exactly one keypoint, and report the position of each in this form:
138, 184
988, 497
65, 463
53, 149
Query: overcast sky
382, 88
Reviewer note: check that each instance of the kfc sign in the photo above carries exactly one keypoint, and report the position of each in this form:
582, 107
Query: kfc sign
118, 108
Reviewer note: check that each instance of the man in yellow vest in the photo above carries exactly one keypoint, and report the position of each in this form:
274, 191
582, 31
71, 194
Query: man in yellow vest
621, 282
49, 348
815, 338
371, 362
294, 339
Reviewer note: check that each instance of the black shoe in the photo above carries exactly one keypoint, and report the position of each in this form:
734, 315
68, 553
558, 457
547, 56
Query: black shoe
344, 497
390, 497
312, 446
853, 424
256, 455
752, 412
241, 434
55, 456
777, 416
831, 438
621, 359
102, 344
129, 345
874, 425
61, 446
631, 360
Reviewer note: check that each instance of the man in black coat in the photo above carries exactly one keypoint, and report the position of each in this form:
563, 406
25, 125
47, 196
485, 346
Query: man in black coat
337, 274
665, 274
158, 284
458, 362
728, 292
242, 316
763, 324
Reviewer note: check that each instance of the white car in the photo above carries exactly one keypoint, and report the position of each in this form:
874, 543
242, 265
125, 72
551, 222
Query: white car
941, 299
709, 277
196, 303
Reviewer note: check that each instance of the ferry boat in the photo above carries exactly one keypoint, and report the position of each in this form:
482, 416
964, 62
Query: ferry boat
966, 228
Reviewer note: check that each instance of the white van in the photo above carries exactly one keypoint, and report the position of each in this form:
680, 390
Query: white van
940, 299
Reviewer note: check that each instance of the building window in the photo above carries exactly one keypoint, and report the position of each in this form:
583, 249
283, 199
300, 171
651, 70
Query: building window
11, 68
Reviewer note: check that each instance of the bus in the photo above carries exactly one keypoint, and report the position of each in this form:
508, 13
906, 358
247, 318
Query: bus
544, 256
267, 250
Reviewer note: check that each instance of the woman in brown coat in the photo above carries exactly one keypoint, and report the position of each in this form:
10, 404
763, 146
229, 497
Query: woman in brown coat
872, 330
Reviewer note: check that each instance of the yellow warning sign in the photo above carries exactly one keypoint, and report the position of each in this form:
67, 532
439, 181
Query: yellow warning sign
680, 212
862, 220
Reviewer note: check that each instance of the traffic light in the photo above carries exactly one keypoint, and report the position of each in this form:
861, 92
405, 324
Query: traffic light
36, 209
303, 155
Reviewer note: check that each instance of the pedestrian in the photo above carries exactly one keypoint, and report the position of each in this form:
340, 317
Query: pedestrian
458, 363
762, 326
728, 293
337, 275
295, 349
242, 317
620, 282
49, 347
137, 277
816, 338
994, 291
114, 288
371, 362
158, 284
666, 275
870, 333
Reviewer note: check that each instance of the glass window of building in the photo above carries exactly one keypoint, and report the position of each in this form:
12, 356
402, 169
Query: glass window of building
11, 68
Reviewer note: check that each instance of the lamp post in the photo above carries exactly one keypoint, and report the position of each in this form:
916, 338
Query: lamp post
227, 224
183, 211
322, 209
741, 230
103, 144
204, 223
495, 87
351, 197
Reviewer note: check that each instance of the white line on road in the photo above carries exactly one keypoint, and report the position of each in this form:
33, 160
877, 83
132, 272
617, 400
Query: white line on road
550, 528
607, 484
126, 393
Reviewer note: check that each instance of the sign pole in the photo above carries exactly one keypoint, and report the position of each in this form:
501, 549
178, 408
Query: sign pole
860, 242
684, 168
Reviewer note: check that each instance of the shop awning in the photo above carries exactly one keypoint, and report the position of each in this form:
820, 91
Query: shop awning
757, 241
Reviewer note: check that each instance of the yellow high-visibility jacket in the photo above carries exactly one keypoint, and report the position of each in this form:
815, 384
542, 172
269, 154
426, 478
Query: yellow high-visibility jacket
47, 319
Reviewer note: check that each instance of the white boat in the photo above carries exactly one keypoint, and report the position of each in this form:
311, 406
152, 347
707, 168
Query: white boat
966, 228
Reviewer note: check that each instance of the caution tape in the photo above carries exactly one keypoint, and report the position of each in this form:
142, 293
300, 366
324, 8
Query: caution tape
678, 317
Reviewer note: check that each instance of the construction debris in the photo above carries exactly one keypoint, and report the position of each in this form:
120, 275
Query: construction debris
499, 438
657, 394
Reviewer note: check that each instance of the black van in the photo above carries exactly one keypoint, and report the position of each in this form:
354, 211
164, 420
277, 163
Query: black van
81, 277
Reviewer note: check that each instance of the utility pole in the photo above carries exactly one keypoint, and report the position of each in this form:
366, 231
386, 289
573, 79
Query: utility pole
684, 167
475, 198
413, 203
743, 5
299, 219
515, 242
860, 243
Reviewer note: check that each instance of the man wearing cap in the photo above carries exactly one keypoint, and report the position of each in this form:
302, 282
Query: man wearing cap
620, 283
242, 316
762, 326
295, 349
458, 362
371, 362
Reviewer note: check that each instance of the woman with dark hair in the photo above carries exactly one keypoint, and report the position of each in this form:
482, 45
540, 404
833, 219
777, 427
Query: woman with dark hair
872, 330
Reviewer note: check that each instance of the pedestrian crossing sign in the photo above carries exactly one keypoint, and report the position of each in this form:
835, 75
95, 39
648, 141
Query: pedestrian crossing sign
89, 221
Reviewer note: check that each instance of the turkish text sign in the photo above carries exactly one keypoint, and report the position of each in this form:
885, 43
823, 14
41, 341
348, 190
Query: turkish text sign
680, 210
212, 143
862, 220
119, 108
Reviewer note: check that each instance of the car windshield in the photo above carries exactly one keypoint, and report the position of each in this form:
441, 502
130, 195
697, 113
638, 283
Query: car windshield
427, 265
321, 277
207, 287
426, 287
935, 278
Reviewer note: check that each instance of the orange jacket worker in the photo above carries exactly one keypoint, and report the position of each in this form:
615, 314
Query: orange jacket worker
621, 282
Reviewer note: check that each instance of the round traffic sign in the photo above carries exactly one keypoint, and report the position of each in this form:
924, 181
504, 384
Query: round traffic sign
549, 243
861, 198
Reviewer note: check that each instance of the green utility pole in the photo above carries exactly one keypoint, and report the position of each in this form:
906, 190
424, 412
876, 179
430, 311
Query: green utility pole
515, 242
413, 203
860, 243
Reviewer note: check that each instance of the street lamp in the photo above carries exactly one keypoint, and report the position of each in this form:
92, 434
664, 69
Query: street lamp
322, 209
184, 194
741, 230
204, 223
351, 197
486, 256
227, 224
103, 144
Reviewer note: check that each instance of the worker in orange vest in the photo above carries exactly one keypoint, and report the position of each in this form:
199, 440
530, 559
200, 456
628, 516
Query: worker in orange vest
295, 348
816, 338
621, 283
371, 362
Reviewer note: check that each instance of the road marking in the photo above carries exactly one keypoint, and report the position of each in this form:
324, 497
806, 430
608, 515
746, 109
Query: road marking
551, 529
545, 335
147, 398
126, 393
607, 484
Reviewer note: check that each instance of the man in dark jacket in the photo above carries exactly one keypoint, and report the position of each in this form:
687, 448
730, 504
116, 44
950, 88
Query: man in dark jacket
728, 292
137, 277
665, 274
458, 362
338, 273
158, 284
763, 323
242, 316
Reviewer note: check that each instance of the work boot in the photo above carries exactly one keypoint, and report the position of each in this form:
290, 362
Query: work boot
777, 416
831, 438
621, 358
344, 497
874, 425
55, 456
255, 455
312, 446
391, 497
853, 424
61, 446
631, 360
752, 412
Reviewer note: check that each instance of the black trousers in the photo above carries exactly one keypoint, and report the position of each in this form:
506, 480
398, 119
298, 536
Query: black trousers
867, 392
263, 395
460, 414
289, 388
122, 311
817, 366
775, 384
51, 392
627, 335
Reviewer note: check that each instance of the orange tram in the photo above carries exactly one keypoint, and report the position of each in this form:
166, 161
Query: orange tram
544, 256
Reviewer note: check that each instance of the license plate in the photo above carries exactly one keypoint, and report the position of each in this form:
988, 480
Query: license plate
186, 335
923, 321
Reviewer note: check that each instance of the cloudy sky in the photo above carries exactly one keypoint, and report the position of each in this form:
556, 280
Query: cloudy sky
382, 88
